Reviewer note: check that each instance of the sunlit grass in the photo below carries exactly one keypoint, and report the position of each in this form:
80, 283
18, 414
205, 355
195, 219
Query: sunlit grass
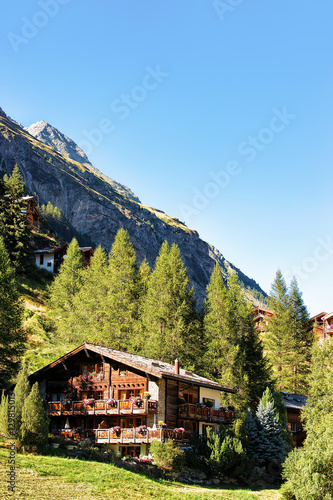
53, 478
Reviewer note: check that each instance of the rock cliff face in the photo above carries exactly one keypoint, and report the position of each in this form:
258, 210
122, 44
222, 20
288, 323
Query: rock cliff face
99, 208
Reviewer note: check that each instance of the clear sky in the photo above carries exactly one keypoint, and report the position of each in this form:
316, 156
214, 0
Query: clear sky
219, 113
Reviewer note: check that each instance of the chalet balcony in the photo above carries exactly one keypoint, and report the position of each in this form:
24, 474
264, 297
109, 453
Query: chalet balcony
135, 436
203, 413
115, 407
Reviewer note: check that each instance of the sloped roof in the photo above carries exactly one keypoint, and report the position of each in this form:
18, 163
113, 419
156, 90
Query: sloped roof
154, 367
293, 401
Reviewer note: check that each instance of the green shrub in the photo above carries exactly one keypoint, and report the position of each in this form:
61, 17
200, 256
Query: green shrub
167, 455
227, 455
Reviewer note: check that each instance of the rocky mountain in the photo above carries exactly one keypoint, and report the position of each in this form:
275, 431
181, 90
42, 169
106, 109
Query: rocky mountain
52, 137
54, 169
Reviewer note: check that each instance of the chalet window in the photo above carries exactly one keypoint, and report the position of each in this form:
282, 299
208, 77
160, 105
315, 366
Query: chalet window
49, 264
99, 395
41, 260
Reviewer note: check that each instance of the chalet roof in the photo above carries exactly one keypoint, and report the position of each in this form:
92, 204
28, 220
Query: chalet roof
154, 367
50, 250
320, 315
293, 401
261, 308
328, 316
85, 249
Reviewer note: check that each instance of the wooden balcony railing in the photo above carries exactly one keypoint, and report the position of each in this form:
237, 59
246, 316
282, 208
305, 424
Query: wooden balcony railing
107, 436
200, 412
118, 407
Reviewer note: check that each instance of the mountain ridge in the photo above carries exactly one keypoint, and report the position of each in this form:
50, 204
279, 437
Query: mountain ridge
96, 208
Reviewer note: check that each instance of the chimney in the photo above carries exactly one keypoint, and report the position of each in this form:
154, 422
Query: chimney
176, 366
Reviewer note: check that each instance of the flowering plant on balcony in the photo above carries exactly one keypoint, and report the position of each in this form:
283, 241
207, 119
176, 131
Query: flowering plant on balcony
147, 395
162, 424
142, 429
179, 429
89, 401
136, 401
66, 400
112, 402
86, 377
116, 430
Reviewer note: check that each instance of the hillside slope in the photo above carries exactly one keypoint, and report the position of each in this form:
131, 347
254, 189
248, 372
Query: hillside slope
96, 208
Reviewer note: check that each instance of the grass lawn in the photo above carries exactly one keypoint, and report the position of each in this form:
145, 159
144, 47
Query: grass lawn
55, 478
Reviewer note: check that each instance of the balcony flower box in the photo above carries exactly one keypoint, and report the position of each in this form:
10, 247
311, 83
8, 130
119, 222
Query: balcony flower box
88, 402
142, 429
116, 430
137, 401
147, 395
111, 402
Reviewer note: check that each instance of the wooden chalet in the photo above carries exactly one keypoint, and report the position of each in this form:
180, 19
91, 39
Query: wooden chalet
260, 317
52, 258
31, 211
121, 400
294, 404
323, 326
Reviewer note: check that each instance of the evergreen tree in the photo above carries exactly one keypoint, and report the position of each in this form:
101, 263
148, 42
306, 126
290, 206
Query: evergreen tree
253, 435
122, 298
222, 346
302, 336
63, 289
276, 399
309, 470
4, 415
279, 340
271, 445
35, 424
234, 350
21, 392
89, 312
14, 226
169, 318
12, 337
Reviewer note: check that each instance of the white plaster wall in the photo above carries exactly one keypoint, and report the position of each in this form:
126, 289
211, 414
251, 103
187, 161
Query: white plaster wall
48, 259
153, 390
211, 394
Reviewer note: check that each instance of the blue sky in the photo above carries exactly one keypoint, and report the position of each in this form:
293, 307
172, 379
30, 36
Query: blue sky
219, 113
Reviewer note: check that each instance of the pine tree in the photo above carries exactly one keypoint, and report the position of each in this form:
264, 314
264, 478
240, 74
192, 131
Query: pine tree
309, 470
21, 392
35, 424
63, 290
302, 336
89, 313
12, 336
279, 341
169, 317
234, 350
122, 299
222, 346
14, 226
253, 437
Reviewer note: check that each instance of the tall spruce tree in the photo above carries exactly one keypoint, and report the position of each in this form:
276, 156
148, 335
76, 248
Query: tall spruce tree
14, 226
122, 298
12, 336
271, 443
89, 312
279, 342
309, 470
221, 344
35, 424
63, 290
234, 351
302, 337
21, 392
169, 317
